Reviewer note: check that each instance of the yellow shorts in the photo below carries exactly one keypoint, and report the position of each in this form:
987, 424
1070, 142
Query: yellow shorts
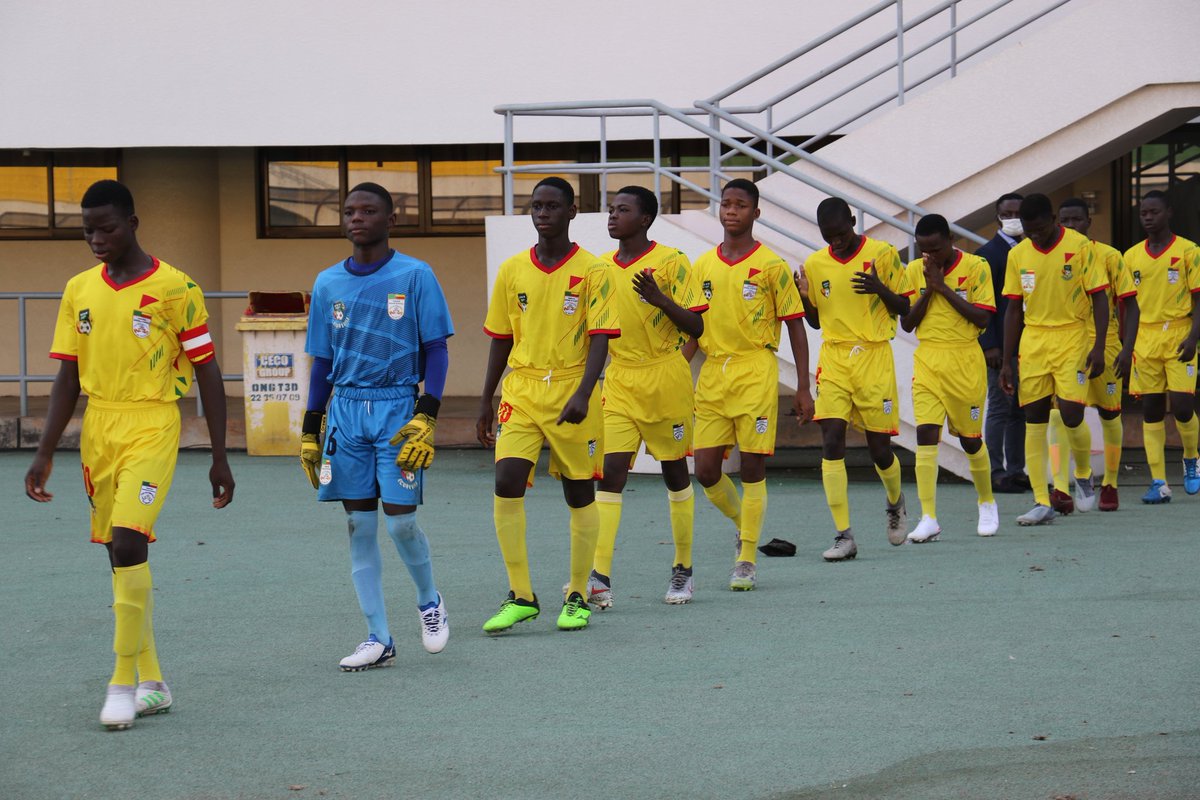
737, 402
649, 402
1053, 362
950, 382
856, 382
1156, 365
1105, 391
128, 452
528, 417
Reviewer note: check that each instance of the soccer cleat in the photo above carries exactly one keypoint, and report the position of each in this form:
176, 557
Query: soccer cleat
120, 707
575, 613
512, 611
679, 590
599, 590
743, 577
1038, 515
1085, 495
1191, 478
989, 519
927, 530
843, 548
153, 697
1108, 498
435, 627
1061, 502
370, 654
1157, 494
897, 521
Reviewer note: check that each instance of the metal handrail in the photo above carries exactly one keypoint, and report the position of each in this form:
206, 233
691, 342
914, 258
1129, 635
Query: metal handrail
23, 378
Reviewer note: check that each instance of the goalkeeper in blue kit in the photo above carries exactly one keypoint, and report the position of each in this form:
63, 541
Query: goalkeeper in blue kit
377, 328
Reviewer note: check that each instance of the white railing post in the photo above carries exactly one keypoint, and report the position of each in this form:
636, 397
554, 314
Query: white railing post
714, 163
508, 162
770, 127
23, 362
657, 161
603, 161
900, 52
954, 40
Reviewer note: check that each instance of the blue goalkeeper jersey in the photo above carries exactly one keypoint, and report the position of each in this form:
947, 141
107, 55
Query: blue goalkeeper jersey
371, 327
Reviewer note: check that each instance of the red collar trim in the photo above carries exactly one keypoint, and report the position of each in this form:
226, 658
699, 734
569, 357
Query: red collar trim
1146, 244
548, 270
1061, 233
119, 286
957, 261
862, 242
753, 250
623, 265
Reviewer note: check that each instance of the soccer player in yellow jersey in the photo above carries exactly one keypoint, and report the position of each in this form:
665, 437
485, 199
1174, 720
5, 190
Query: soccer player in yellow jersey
648, 386
1053, 272
750, 291
955, 301
853, 291
1104, 392
550, 318
130, 332
1166, 270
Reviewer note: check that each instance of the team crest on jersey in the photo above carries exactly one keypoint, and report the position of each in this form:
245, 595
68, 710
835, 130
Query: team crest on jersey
407, 479
975, 413
887, 406
570, 303
591, 447
326, 472
825, 288
141, 324
749, 290
147, 493
395, 306
706, 287
1137, 277
1028, 280
339, 314
1172, 275
1080, 377
1110, 389
1066, 272
84, 325
677, 431
498, 427
1191, 370
522, 300
760, 425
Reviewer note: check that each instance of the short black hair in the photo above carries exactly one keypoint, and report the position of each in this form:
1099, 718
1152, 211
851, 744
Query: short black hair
1008, 196
832, 209
1157, 194
377, 190
931, 224
647, 202
1075, 202
556, 182
746, 186
1036, 206
108, 193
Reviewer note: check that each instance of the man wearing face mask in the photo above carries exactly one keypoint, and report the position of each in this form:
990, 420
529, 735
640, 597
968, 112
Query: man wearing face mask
1004, 425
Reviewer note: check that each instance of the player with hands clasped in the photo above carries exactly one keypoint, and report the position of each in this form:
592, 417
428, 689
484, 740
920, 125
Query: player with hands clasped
378, 325
131, 331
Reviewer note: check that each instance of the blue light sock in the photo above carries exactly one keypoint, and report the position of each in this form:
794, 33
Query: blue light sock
414, 551
366, 568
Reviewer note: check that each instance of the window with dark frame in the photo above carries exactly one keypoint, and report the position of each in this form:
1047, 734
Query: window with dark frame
40, 190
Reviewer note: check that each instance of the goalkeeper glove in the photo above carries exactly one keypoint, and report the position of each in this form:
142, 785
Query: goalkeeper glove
310, 445
416, 437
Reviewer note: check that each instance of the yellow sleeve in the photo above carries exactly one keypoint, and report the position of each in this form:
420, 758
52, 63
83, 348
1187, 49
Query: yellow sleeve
601, 311
191, 325
1120, 275
685, 285
914, 273
1191, 260
1095, 275
784, 292
893, 274
812, 280
67, 329
1012, 278
498, 323
980, 292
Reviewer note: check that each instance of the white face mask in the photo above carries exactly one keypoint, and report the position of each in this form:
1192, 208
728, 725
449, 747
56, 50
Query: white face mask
1012, 227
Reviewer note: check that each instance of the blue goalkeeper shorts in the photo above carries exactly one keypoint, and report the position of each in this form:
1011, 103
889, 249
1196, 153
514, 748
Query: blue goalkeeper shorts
358, 462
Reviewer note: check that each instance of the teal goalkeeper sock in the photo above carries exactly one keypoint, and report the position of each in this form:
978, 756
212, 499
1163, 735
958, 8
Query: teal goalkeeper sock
414, 551
366, 569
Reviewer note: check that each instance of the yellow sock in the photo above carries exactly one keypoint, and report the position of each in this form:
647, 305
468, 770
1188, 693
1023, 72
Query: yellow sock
1154, 438
585, 527
833, 477
891, 480
683, 516
1035, 460
754, 509
1080, 438
1187, 435
131, 590
927, 471
1060, 459
724, 495
981, 474
509, 513
1114, 436
148, 668
608, 505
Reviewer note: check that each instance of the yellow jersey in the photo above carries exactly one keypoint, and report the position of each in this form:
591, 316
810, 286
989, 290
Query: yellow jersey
134, 342
1166, 282
845, 315
1054, 284
971, 278
1120, 286
647, 332
747, 298
549, 312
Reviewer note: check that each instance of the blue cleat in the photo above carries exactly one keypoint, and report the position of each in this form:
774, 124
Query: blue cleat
1157, 494
1191, 476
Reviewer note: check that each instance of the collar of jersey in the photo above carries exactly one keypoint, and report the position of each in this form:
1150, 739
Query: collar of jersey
862, 242
753, 250
617, 259
548, 270
1062, 234
119, 286
1146, 244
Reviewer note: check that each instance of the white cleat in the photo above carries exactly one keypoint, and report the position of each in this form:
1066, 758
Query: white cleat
897, 521
153, 697
435, 627
989, 519
927, 530
120, 707
1085, 495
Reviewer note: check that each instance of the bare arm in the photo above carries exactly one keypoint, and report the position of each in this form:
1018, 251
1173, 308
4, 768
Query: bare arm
802, 403
690, 322
576, 409
212, 395
1095, 359
1014, 318
497, 360
1132, 315
916, 313
64, 396
810, 311
1187, 348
